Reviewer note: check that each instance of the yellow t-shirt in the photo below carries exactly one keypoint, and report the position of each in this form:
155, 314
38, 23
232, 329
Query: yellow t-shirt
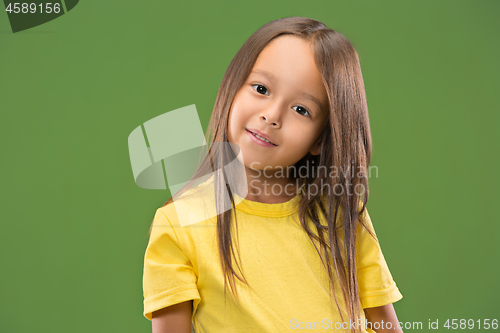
289, 285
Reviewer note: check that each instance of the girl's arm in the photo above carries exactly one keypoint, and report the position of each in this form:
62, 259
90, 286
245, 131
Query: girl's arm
173, 319
382, 315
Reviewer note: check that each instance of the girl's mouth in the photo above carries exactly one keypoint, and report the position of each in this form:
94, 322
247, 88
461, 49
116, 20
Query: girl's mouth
260, 140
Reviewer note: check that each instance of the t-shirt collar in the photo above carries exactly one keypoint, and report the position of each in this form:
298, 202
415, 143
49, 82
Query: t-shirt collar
268, 210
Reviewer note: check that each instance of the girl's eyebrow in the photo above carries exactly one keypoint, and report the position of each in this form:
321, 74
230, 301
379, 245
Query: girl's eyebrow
272, 77
267, 74
312, 98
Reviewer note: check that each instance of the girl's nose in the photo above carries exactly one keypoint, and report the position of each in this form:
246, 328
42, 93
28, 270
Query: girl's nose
272, 116
272, 123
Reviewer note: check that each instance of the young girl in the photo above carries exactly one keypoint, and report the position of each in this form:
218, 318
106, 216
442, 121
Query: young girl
292, 242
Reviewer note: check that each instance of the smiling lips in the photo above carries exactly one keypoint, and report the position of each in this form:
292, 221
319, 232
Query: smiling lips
261, 138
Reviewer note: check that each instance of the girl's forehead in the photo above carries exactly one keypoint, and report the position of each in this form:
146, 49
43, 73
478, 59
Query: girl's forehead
287, 56
287, 47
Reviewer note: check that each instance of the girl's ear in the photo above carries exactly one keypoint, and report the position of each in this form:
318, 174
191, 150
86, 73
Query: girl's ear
316, 147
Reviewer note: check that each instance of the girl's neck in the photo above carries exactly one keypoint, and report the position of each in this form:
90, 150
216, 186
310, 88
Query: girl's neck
270, 186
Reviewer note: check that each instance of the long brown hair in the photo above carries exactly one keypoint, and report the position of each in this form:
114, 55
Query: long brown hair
345, 148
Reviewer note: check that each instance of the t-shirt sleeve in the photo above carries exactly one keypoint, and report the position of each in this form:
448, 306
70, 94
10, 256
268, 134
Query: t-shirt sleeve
376, 285
169, 277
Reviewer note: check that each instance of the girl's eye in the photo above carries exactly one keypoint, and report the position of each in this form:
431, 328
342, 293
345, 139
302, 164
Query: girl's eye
260, 89
301, 109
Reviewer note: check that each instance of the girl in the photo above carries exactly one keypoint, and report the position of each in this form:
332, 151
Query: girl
291, 109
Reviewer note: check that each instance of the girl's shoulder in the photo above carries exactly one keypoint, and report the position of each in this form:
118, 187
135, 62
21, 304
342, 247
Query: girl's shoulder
192, 206
364, 220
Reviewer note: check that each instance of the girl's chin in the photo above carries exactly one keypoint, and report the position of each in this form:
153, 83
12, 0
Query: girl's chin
261, 167
256, 164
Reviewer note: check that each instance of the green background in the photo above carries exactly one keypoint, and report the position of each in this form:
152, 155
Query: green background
75, 225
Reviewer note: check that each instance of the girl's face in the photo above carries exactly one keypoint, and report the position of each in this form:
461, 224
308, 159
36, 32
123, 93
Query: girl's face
283, 100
